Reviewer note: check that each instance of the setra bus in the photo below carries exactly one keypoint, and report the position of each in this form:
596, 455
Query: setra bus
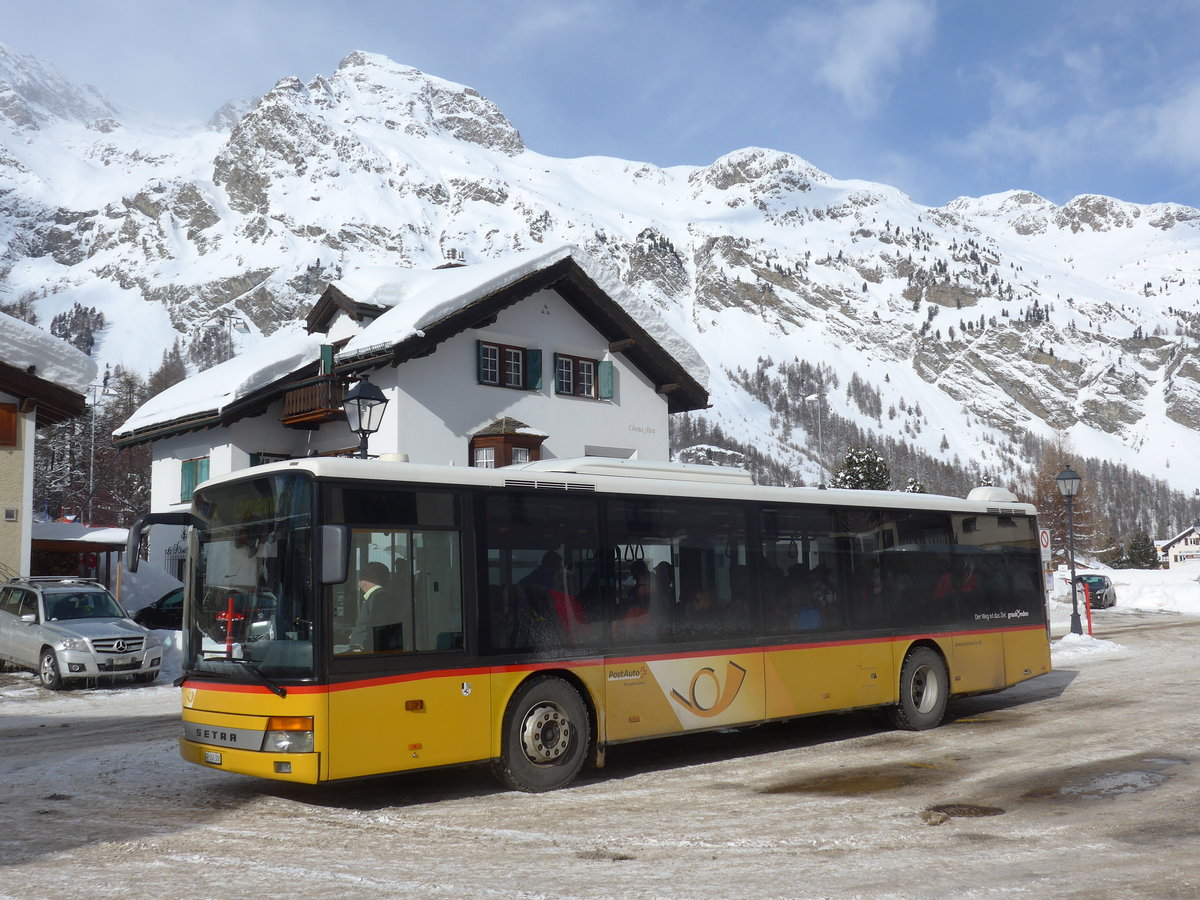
346, 618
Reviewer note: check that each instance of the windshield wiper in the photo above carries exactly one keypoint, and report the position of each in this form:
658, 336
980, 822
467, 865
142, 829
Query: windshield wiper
244, 665
248, 666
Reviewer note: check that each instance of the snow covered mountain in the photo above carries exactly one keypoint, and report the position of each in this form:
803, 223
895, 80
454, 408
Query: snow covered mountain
957, 331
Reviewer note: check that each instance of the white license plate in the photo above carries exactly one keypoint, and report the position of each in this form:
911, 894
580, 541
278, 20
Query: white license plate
213, 757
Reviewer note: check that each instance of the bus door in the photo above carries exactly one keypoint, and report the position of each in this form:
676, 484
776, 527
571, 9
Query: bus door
401, 694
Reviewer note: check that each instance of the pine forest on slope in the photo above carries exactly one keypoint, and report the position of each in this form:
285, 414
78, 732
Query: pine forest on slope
961, 341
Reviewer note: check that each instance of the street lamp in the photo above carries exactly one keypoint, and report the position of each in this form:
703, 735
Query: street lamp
820, 440
364, 405
1068, 485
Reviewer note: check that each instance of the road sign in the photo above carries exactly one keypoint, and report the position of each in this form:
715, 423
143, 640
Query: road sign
1044, 543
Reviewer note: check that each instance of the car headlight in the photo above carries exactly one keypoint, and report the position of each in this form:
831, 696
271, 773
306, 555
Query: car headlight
73, 644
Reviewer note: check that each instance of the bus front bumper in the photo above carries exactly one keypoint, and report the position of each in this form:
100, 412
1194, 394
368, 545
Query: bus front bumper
303, 768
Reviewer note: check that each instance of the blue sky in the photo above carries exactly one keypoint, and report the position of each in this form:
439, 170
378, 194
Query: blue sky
940, 98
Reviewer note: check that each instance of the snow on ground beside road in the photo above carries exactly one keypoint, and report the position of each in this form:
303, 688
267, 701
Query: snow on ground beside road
1174, 591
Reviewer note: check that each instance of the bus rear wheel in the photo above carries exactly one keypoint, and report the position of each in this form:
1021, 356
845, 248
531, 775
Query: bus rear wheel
924, 691
547, 733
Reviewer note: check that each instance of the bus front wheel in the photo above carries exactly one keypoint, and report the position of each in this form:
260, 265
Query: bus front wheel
924, 690
547, 733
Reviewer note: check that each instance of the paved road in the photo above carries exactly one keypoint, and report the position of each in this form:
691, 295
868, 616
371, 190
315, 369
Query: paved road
1082, 783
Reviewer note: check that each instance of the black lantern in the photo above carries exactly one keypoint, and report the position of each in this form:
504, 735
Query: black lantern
364, 406
1068, 485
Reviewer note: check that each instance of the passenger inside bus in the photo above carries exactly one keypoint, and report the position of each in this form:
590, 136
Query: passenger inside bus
546, 590
378, 626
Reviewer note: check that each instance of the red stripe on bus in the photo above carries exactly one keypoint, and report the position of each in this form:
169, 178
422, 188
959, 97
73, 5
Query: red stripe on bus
583, 663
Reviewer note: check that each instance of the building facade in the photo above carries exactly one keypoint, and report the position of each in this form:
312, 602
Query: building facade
43, 381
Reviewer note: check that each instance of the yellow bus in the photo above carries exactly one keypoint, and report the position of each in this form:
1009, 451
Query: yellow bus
346, 618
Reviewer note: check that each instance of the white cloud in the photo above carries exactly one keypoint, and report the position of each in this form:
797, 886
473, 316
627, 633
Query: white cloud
858, 47
1174, 133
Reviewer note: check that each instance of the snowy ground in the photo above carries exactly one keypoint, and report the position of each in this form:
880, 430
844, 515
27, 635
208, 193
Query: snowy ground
1089, 774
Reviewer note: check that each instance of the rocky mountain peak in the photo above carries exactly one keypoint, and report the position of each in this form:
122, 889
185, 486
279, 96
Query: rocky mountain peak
390, 90
33, 94
761, 169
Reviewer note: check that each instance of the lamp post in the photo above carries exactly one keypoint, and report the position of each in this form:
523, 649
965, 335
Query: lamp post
1068, 485
364, 405
817, 398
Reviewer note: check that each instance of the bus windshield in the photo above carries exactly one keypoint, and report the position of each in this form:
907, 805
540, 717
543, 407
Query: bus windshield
252, 605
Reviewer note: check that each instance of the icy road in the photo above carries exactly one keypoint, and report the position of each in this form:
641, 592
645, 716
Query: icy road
1082, 783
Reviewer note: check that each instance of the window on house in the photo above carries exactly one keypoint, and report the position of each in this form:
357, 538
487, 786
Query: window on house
262, 459
8, 425
512, 367
492, 451
580, 377
193, 472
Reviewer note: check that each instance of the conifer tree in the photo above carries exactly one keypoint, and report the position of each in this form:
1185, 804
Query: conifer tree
864, 469
1142, 552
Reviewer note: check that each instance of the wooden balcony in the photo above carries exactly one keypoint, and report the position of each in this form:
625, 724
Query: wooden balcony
311, 403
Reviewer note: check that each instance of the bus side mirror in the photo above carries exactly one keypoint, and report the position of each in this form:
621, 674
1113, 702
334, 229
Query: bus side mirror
133, 545
335, 553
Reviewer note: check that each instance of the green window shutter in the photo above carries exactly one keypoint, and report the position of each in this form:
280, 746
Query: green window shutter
187, 480
326, 359
554, 375
201, 470
255, 459
533, 370
604, 379
479, 361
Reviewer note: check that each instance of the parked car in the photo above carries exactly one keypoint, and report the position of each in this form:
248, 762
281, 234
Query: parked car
72, 628
1100, 591
166, 612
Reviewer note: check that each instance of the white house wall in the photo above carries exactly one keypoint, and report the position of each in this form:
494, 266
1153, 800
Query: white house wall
440, 404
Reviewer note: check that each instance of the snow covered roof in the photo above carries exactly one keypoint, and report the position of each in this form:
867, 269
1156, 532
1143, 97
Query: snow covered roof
420, 308
76, 533
424, 307
52, 359
200, 400
36, 364
1171, 542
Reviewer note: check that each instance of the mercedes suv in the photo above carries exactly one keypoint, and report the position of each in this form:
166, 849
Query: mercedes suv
73, 628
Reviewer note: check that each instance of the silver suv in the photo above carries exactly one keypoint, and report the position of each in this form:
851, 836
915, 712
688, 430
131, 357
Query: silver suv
68, 628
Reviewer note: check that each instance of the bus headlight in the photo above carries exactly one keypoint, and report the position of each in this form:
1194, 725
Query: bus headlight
288, 734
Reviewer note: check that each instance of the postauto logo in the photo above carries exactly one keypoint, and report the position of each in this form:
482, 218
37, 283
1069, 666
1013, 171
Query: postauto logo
706, 685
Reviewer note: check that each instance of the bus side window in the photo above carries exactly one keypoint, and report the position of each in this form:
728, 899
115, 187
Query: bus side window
543, 574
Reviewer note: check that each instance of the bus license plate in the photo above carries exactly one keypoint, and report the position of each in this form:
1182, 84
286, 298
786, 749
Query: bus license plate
213, 757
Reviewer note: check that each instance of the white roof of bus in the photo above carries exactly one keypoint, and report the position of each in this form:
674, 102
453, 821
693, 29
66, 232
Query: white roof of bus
630, 477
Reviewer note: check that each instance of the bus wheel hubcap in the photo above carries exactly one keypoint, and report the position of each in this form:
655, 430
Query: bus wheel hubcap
546, 733
925, 690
